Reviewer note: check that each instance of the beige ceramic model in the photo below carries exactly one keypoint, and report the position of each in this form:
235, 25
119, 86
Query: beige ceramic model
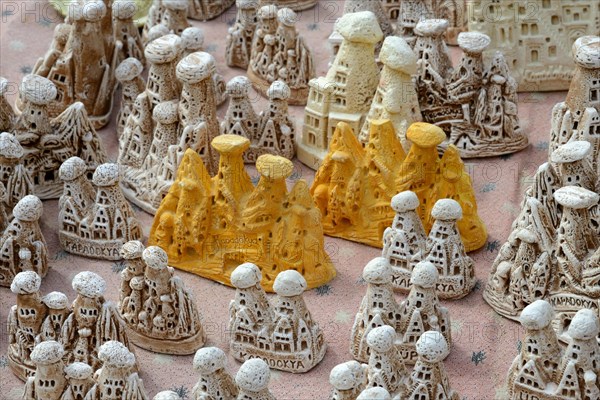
253, 379
280, 53
348, 380
22, 244
157, 309
175, 13
346, 92
7, 114
238, 45
95, 221
214, 380
203, 10
376, 7
79, 381
13, 175
284, 335
58, 308
49, 381
272, 132
128, 39
279, 229
375, 393
297, 5
386, 368
129, 74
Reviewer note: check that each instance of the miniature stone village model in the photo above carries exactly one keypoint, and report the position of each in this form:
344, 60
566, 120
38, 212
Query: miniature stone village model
209, 226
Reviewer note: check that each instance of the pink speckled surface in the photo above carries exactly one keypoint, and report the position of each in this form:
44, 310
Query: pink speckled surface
484, 343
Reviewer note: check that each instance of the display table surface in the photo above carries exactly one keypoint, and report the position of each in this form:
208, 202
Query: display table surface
484, 344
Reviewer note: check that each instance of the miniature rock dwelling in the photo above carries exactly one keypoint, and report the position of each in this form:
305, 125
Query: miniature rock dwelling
14, 176
46, 142
542, 370
271, 132
176, 112
281, 332
553, 250
214, 381
22, 244
346, 92
238, 47
353, 178
348, 380
159, 312
208, 226
280, 53
420, 312
386, 368
546, 31
476, 103
95, 219
253, 380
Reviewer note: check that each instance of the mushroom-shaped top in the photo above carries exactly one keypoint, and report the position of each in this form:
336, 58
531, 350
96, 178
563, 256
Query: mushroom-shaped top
124, 9
279, 90
376, 393
398, 55
425, 135
193, 38
116, 354
381, 339
246, 4
526, 236
431, 27
360, 27
267, 12
3, 86
576, 197
10, 148
209, 360
26, 282
166, 113
287, 16
289, 283
132, 250
571, 152
129, 69
424, 275
238, 86
164, 49
176, 5
28, 209
56, 300
230, 144
106, 175
89, 284
196, 67
246, 276
473, 42
38, 90
538, 315
72, 169
167, 395
78, 371
378, 271
405, 201
446, 210
155, 258
586, 51
89, 11
47, 353
157, 31
347, 376
584, 325
274, 167
253, 375
432, 347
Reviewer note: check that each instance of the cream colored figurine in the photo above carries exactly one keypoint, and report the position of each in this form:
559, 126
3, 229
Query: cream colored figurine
175, 13
79, 381
129, 74
374, 393
348, 380
253, 380
203, 10
128, 40
7, 114
58, 308
374, 6
157, 309
13, 175
386, 368
94, 221
238, 45
283, 332
214, 380
49, 381
22, 244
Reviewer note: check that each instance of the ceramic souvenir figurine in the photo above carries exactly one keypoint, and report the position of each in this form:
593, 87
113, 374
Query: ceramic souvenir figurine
175, 15
296, 5
396, 96
287, 338
241, 118
13, 175
129, 42
92, 323
238, 45
281, 54
157, 309
157, 31
429, 378
7, 114
117, 374
376, 7
346, 92
95, 222
348, 380
129, 74
281, 233
377, 308
375, 393
167, 395
253, 379
153, 19
386, 368
203, 10
49, 381
543, 62
79, 381
24, 323
22, 245
421, 312
57, 47
58, 309
354, 178
214, 380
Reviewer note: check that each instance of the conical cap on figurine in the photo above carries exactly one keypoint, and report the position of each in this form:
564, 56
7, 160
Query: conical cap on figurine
398, 55
376, 393
10, 148
537, 315
378, 271
424, 275
571, 152
167, 395
28, 209
209, 360
347, 376
425, 135
274, 167
245, 276
196, 67
164, 49
381, 339
47, 353
26, 282
289, 283
72, 169
432, 347
116, 354
360, 27
584, 325
405, 201
253, 376
193, 38
473, 42
89, 284
129, 69
38, 90
576, 197
431, 27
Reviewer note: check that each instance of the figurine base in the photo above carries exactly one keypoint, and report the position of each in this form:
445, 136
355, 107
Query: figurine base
100, 249
310, 156
295, 363
298, 97
21, 371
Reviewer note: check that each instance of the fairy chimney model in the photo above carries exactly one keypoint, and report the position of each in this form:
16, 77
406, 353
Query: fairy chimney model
127, 36
238, 45
79, 381
214, 380
7, 114
376, 7
49, 381
253, 379
175, 15
128, 73
13, 175
348, 380
386, 368
58, 308
241, 118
